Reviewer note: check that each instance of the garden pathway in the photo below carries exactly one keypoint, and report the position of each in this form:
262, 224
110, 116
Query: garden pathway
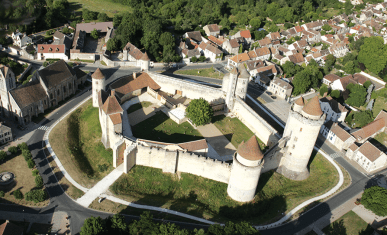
101, 186
217, 140
369, 217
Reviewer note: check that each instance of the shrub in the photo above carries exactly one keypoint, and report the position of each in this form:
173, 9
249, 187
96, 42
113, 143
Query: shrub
17, 194
36, 195
349, 119
363, 118
13, 149
27, 155
199, 111
30, 163
3, 155
202, 58
194, 59
335, 94
102, 167
22, 146
375, 199
39, 181
2, 194
35, 172
367, 84
323, 89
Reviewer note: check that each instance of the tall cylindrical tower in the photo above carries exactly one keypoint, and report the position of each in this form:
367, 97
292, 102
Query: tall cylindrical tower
245, 171
231, 88
98, 84
299, 104
301, 132
145, 62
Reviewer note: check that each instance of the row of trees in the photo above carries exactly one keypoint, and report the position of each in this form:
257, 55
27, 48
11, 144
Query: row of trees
146, 225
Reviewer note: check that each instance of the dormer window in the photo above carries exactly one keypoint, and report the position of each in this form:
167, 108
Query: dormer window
41, 48
50, 49
57, 49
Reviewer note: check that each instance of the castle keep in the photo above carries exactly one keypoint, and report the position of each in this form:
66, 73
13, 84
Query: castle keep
242, 176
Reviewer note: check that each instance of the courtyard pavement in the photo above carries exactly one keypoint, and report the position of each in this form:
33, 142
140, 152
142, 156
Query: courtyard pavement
217, 140
279, 108
143, 114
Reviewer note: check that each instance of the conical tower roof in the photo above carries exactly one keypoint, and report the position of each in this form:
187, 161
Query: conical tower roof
313, 107
145, 57
300, 101
234, 71
243, 71
98, 74
250, 150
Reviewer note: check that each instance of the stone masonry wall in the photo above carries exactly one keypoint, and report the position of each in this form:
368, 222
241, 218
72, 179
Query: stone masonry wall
76, 54
262, 129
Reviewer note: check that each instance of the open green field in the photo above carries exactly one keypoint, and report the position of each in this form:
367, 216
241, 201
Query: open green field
208, 199
100, 6
95, 156
210, 73
234, 130
349, 224
138, 106
161, 128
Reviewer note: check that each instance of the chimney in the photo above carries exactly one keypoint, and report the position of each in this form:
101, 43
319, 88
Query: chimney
113, 92
134, 75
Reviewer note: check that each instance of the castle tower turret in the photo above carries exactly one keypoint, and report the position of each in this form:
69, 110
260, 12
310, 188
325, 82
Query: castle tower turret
98, 84
300, 134
231, 88
299, 104
145, 62
243, 82
245, 171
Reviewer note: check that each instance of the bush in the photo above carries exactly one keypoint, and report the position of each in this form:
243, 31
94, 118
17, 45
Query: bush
35, 172
323, 89
102, 167
335, 94
30, 163
13, 150
349, 119
39, 181
2, 194
22, 146
36, 195
200, 111
17, 194
363, 118
367, 84
202, 58
3, 155
194, 59
27, 155
375, 199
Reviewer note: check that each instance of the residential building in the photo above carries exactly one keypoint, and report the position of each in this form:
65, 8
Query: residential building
212, 29
297, 58
334, 110
368, 156
245, 34
265, 42
50, 51
21, 39
231, 46
5, 134
8, 228
337, 135
262, 53
194, 35
330, 78
210, 52
234, 61
280, 88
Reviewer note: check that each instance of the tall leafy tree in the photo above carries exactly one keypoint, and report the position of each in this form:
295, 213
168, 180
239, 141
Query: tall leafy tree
200, 112
375, 199
93, 226
373, 54
358, 95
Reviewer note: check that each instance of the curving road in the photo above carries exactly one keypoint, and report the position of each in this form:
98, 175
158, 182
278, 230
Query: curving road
59, 201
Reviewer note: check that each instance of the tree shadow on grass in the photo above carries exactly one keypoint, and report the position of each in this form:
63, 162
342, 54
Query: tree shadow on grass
336, 228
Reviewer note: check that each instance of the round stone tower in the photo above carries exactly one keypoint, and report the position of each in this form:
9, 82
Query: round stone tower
300, 134
299, 104
145, 61
243, 82
230, 89
98, 84
245, 171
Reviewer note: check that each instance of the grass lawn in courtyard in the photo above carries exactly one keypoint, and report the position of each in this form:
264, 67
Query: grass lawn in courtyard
24, 179
99, 6
208, 199
138, 106
234, 130
95, 156
161, 128
210, 73
349, 224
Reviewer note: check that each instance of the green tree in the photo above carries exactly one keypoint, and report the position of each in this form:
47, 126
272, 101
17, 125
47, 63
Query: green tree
94, 34
18, 194
375, 199
113, 44
102, 17
323, 89
93, 226
2, 194
199, 111
288, 25
373, 54
273, 28
241, 48
367, 84
22, 146
36, 195
3, 155
39, 181
255, 22
13, 150
358, 95
30, 163
301, 83
326, 27
348, 7
349, 67
117, 18
194, 59
335, 94
363, 118
118, 224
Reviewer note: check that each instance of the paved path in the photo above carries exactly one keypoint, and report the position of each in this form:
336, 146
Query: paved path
369, 217
101, 187
217, 140
280, 109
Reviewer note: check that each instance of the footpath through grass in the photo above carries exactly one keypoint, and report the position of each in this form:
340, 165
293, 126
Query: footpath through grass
210, 73
161, 128
94, 161
138, 106
349, 224
235, 131
208, 199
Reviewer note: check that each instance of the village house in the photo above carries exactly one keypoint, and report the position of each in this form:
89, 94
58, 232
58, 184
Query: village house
315, 25
336, 135
264, 75
212, 29
253, 65
210, 52
234, 61
368, 156
262, 53
333, 109
342, 83
5, 134
339, 49
61, 39
280, 88
50, 51
231, 46
194, 35
245, 34
297, 58
21, 39
330, 78
265, 42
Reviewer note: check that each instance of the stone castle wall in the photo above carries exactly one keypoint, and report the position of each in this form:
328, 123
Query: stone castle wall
263, 130
190, 90
76, 54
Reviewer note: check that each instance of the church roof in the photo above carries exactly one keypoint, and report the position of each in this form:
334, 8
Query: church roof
300, 101
112, 106
250, 150
145, 57
243, 71
98, 74
313, 107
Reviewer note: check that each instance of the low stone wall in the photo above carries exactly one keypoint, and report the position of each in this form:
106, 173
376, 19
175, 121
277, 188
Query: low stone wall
76, 54
25, 71
27, 55
188, 89
112, 63
263, 130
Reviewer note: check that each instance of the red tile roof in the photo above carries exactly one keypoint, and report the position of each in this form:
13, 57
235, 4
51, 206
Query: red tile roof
112, 106
98, 74
300, 101
370, 129
313, 107
50, 48
116, 118
194, 145
8, 228
331, 77
245, 34
250, 150
240, 58
127, 84
370, 151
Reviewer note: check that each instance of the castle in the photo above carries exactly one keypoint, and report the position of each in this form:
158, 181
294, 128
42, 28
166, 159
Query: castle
289, 155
